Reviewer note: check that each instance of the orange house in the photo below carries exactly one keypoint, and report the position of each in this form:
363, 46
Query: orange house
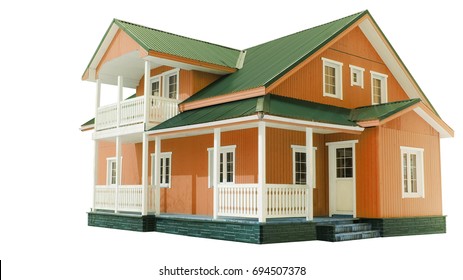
322, 134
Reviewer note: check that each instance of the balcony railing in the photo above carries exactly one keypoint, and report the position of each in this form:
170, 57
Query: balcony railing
129, 198
132, 112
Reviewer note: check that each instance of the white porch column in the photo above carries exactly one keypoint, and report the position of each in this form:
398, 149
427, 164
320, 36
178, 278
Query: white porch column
97, 100
147, 91
157, 175
118, 172
95, 174
215, 168
120, 88
261, 174
309, 172
144, 175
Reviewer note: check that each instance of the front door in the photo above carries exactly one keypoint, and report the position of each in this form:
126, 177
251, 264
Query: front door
341, 157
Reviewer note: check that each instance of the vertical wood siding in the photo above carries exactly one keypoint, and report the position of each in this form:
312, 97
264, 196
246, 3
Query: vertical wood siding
414, 132
353, 49
280, 163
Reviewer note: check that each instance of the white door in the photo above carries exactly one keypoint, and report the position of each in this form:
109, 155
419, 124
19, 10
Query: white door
341, 157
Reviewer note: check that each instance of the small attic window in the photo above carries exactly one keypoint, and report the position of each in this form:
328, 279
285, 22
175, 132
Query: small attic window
356, 76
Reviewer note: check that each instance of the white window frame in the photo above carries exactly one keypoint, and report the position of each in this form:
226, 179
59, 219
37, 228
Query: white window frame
359, 72
338, 77
302, 149
153, 80
109, 161
210, 156
163, 79
419, 152
162, 173
383, 78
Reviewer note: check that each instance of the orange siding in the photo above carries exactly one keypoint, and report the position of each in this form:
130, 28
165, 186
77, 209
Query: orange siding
353, 49
131, 166
190, 82
280, 163
120, 45
414, 133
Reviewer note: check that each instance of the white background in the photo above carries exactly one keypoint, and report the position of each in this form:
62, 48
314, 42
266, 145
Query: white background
46, 173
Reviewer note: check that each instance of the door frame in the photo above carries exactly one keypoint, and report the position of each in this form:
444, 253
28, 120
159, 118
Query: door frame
332, 175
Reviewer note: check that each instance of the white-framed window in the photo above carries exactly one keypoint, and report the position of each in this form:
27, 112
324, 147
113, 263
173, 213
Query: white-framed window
378, 88
166, 84
332, 78
165, 169
111, 171
226, 165
412, 172
300, 163
356, 75
156, 86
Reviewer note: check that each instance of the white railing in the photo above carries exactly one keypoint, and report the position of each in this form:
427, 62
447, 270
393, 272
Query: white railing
132, 112
106, 117
240, 200
162, 108
237, 200
286, 201
129, 198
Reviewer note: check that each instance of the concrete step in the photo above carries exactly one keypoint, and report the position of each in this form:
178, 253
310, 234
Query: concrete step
345, 231
356, 235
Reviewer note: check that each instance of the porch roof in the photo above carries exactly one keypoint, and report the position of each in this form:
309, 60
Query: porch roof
380, 111
269, 104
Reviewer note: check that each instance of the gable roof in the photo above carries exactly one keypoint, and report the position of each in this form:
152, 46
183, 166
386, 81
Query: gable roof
161, 42
267, 62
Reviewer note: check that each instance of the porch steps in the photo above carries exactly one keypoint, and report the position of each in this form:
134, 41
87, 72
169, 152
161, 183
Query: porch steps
345, 230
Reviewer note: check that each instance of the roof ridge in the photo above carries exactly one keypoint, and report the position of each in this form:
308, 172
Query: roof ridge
173, 34
310, 28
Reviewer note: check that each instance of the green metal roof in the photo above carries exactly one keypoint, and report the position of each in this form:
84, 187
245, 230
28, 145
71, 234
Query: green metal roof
267, 62
381, 111
269, 104
164, 42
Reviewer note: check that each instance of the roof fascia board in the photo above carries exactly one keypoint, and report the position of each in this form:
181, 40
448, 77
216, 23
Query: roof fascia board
234, 96
383, 47
338, 127
220, 68
435, 121
272, 84
90, 71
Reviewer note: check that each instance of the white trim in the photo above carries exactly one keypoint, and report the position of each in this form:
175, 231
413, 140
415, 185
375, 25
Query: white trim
302, 149
215, 168
164, 156
147, 91
261, 173
332, 174
210, 154
419, 152
427, 118
108, 173
311, 123
338, 77
383, 78
357, 70
144, 175
164, 83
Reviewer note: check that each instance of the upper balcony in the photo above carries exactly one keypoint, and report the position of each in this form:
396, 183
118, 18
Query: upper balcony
132, 112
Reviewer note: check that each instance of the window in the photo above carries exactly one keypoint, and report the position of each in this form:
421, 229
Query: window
344, 163
166, 84
226, 165
111, 171
332, 78
378, 88
165, 167
172, 86
155, 86
356, 76
299, 165
412, 172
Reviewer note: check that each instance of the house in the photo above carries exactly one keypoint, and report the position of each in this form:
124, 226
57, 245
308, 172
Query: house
322, 134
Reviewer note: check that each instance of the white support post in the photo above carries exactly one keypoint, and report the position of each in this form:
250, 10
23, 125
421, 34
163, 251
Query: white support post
261, 174
309, 172
118, 172
144, 175
215, 168
157, 175
95, 174
120, 88
98, 98
147, 91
